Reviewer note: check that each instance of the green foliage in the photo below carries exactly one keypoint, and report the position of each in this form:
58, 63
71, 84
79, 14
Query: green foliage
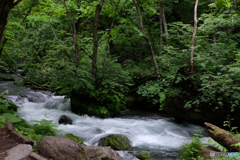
2, 121
189, 151
7, 106
37, 131
46, 127
155, 91
12, 117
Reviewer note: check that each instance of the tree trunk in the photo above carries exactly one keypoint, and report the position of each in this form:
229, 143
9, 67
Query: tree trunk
165, 25
161, 21
105, 57
2, 43
147, 38
222, 137
5, 8
214, 38
194, 34
95, 38
74, 35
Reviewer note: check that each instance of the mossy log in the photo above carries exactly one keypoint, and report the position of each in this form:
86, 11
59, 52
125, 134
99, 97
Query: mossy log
223, 137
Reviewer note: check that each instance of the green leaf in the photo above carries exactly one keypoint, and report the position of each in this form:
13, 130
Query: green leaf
11, 117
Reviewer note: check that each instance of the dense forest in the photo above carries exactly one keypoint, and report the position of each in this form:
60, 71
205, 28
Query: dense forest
179, 57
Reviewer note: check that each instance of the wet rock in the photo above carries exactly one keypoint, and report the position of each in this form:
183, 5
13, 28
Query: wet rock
74, 138
60, 148
19, 152
116, 142
101, 153
64, 120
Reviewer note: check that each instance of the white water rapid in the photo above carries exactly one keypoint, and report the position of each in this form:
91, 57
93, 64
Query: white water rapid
160, 135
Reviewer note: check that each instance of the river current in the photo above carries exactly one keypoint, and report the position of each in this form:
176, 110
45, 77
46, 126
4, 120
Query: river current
160, 135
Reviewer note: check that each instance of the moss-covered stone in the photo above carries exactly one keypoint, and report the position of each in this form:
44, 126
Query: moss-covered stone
74, 138
116, 142
143, 156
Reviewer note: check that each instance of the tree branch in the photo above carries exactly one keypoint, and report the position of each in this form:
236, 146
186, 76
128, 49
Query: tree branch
27, 79
16, 3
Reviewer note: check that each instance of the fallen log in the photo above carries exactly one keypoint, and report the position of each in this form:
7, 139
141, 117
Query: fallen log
223, 137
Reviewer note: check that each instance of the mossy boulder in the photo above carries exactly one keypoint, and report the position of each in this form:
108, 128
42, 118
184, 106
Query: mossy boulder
116, 142
143, 156
74, 138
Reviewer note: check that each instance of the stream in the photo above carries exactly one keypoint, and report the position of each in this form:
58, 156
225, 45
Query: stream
160, 135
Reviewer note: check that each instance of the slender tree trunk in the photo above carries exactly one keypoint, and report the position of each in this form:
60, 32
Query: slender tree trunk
148, 40
2, 43
95, 38
161, 23
165, 25
74, 35
63, 28
105, 57
194, 34
5, 8
214, 38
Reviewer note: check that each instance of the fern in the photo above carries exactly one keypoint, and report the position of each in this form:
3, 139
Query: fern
12, 117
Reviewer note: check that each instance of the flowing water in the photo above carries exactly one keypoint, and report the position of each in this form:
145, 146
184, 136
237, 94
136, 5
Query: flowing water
160, 135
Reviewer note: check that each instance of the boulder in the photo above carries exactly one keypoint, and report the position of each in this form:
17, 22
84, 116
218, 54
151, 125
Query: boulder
143, 156
64, 120
101, 153
116, 142
74, 138
19, 152
60, 148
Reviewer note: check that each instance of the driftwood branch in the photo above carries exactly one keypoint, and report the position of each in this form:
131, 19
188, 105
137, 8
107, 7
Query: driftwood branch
223, 137
27, 79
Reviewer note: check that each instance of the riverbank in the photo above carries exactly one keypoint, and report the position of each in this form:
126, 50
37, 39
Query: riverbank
159, 135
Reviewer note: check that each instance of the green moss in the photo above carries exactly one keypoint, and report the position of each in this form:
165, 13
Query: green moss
143, 156
219, 131
117, 142
74, 138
